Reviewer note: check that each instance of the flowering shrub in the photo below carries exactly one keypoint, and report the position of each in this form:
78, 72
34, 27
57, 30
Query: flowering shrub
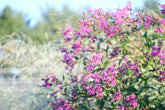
162, 8
124, 67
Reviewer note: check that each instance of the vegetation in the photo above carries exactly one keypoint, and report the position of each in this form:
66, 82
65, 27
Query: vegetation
11, 21
27, 54
123, 66
47, 30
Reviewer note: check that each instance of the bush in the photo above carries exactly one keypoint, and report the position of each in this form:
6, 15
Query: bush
124, 66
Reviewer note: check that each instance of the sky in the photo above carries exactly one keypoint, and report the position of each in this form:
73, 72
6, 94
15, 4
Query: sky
32, 8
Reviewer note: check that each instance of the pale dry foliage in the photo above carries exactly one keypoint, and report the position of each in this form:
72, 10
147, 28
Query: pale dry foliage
22, 65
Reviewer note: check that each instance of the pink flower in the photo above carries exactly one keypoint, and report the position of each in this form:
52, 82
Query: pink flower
121, 107
116, 96
130, 100
129, 5
68, 59
100, 95
125, 59
162, 21
77, 46
67, 33
86, 48
61, 104
162, 6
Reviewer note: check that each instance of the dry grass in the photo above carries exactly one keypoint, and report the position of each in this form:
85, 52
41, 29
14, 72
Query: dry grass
24, 59
22, 95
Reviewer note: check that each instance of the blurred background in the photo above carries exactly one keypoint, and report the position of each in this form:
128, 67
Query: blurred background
30, 37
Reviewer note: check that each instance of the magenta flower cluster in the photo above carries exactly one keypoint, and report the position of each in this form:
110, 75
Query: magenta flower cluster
49, 80
130, 100
162, 8
114, 75
61, 104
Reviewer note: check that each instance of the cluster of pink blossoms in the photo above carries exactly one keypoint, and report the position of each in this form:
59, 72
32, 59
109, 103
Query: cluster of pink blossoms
162, 75
95, 60
110, 24
68, 59
49, 80
116, 96
162, 57
162, 8
61, 104
102, 77
95, 90
129, 100
129, 66
160, 54
68, 33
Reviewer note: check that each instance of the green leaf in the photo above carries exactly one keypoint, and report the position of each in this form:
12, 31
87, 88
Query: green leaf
123, 46
65, 90
110, 16
101, 60
98, 69
132, 89
106, 63
63, 77
82, 95
128, 72
109, 42
98, 46
107, 48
